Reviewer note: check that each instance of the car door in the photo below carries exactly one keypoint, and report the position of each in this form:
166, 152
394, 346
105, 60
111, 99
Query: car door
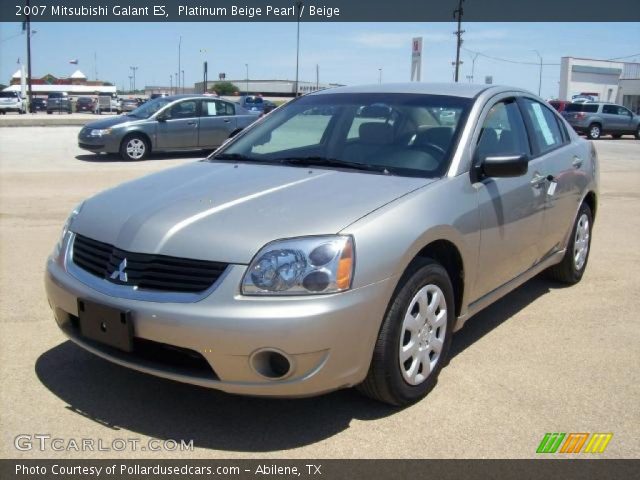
217, 123
561, 161
612, 121
626, 120
510, 209
178, 126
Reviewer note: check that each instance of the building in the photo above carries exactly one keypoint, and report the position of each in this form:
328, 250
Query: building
269, 88
151, 89
75, 85
602, 80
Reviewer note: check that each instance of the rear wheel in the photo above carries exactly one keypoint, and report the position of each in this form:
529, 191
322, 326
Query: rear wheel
574, 262
413, 342
637, 134
134, 147
595, 131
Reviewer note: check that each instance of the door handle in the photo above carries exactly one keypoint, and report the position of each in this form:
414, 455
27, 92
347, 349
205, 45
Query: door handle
538, 180
577, 162
192, 123
226, 120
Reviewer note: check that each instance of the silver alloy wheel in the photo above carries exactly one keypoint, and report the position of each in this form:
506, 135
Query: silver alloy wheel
581, 242
422, 336
136, 148
595, 131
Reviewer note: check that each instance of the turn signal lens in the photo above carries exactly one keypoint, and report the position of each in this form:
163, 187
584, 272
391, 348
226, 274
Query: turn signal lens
345, 267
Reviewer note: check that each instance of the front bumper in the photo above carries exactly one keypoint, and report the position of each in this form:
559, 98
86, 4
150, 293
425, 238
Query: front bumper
10, 107
105, 143
329, 339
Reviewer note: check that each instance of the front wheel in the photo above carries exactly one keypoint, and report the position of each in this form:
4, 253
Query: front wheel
134, 147
574, 262
637, 134
594, 132
414, 339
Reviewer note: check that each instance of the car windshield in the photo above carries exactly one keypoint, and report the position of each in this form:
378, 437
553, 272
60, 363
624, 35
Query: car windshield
253, 100
8, 95
401, 134
149, 108
56, 95
85, 100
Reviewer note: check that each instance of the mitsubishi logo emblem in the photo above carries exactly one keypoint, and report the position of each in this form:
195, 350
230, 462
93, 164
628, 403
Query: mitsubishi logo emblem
120, 274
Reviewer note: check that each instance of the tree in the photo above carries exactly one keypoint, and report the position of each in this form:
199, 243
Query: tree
224, 88
2, 86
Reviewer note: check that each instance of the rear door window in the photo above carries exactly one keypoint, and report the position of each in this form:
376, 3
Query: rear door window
546, 132
582, 107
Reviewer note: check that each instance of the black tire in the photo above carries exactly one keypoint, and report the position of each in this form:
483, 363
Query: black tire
616, 136
567, 271
594, 131
146, 148
385, 381
637, 134
49, 112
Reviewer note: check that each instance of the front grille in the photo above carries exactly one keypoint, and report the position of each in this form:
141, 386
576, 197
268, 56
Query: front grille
146, 271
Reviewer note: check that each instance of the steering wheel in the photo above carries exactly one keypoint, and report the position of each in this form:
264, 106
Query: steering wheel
433, 147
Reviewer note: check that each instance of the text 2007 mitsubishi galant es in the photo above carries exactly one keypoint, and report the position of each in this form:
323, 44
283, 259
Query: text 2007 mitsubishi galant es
337, 242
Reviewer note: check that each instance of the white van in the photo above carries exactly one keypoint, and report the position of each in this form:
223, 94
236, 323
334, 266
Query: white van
12, 102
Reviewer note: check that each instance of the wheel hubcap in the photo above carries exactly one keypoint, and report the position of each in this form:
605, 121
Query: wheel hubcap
581, 242
595, 131
423, 333
135, 148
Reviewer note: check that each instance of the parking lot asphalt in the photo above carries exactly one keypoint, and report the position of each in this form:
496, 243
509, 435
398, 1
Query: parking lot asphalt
545, 358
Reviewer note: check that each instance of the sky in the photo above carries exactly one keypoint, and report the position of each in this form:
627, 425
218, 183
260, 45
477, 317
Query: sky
347, 53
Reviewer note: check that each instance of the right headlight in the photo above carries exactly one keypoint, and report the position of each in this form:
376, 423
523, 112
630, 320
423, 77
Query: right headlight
302, 266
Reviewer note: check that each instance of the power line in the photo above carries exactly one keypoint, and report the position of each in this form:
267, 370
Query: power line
622, 58
498, 59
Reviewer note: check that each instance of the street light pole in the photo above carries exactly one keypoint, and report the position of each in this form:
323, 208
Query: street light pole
177, 74
29, 87
380, 75
171, 84
182, 81
246, 90
540, 75
473, 66
299, 7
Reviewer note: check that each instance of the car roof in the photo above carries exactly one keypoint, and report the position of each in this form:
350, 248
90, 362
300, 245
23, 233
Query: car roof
188, 95
467, 90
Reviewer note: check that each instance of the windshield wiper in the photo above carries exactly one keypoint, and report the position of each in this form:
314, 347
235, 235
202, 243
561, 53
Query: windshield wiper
332, 162
231, 156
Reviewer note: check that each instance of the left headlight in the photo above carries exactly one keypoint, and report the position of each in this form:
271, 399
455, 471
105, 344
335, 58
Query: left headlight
100, 132
65, 229
302, 266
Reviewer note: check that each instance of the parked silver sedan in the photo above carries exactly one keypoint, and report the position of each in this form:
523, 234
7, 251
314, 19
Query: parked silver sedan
339, 241
172, 123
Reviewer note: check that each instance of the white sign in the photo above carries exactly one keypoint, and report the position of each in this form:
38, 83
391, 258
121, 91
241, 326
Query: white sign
416, 59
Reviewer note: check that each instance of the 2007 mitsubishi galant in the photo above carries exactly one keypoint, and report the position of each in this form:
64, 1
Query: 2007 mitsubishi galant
337, 242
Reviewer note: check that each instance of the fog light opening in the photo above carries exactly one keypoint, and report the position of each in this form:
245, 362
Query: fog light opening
271, 364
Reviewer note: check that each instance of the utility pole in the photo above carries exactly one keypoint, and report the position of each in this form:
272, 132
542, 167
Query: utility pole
27, 24
177, 74
182, 81
457, 14
380, 75
95, 66
540, 74
171, 84
317, 77
299, 7
130, 83
133, 69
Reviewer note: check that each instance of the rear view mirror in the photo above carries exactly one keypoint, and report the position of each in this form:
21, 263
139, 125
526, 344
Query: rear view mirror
504, 166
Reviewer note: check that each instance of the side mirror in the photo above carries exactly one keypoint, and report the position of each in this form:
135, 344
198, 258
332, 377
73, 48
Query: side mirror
162, 117
504, 166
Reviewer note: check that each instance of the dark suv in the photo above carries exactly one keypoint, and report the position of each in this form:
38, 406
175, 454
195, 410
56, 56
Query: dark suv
58, 102
597, 119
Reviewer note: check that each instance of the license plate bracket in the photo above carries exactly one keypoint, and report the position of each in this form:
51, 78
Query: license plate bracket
105, 324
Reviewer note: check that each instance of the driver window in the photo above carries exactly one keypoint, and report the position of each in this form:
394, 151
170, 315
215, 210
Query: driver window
503, 132
186, 109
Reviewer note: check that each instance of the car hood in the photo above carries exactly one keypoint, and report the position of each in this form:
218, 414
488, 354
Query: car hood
112, 121
226, 212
